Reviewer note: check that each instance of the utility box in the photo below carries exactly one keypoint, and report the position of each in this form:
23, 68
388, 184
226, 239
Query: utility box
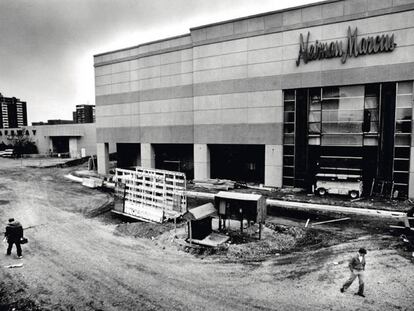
241, 206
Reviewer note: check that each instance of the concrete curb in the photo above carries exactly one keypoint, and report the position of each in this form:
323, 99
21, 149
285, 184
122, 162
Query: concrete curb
315, 207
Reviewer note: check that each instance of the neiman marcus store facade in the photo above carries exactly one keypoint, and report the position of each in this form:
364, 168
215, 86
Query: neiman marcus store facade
275, 98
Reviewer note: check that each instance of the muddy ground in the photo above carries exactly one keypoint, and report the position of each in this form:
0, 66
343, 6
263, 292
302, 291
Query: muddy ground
81, 258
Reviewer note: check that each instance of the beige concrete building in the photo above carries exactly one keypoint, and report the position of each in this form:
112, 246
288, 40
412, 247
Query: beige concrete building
74, 140
276, 98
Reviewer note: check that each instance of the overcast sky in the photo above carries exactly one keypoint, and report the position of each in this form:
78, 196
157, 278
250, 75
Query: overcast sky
47, 46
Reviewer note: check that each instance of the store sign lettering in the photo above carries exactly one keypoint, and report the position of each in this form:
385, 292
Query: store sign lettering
352, 47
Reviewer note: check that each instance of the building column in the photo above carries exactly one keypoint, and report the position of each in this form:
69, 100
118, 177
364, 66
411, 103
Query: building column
273, 165
201, 161
50, 146
102, 150
73, 147
147, 156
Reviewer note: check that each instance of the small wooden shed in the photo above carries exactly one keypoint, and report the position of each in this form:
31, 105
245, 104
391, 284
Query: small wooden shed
199, 221
240, 206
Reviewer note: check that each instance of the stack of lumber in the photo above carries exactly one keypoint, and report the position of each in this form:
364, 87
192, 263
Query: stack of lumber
216, 184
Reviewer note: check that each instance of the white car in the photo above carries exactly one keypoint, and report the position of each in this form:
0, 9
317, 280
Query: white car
8, 153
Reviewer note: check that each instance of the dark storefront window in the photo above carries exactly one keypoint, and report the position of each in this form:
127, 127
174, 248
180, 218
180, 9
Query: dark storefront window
244, 163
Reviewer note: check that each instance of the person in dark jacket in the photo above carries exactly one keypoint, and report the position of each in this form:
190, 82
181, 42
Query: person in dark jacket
13, 234
357, 267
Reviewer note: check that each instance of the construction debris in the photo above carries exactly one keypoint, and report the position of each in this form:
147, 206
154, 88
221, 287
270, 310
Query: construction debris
216, 184
92, 182
19, 265
74, 178
212, 240
330, 221
260, 187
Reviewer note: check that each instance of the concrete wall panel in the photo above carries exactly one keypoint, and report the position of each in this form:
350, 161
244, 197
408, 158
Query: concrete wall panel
239, 133
168, 134
265, 55
330, 10
265, 41
103, 70
233, 116
265, 99
207, 117
240, 27
292, 17
265, 69
379, 4
230, 73
206, 63
207, 102
118, 134
265, 115
120, 77
312, 13
119, 67
234, 59
234, 46
167, 118
273, 20
172, 57
402, 2
172, 105
117, 121
255, 24
207, 50
355, 6
110, 110
233, 101
207, 75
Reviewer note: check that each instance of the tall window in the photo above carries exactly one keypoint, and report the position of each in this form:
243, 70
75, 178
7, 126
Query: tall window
402, 139
359, 131
289, 138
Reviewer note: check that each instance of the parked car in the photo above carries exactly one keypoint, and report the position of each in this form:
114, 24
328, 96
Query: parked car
8, 153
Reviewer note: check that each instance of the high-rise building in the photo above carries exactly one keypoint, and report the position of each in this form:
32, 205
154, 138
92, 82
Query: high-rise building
13, 112
84, 114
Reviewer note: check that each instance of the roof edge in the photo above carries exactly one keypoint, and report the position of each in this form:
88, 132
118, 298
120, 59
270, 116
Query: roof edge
265, 14
143, 44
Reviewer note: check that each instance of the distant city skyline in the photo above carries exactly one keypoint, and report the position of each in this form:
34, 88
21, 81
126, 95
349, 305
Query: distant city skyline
47, 50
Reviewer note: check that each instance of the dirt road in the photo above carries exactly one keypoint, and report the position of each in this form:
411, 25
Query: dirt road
75, 262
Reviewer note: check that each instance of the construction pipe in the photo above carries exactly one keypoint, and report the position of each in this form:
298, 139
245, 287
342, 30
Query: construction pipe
315, 207
334, 208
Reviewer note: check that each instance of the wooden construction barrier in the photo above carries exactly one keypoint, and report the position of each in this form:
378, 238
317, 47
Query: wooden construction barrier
151, 194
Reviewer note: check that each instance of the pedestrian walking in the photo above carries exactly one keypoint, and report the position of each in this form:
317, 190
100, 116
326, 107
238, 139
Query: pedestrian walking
357, 267
13, 234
